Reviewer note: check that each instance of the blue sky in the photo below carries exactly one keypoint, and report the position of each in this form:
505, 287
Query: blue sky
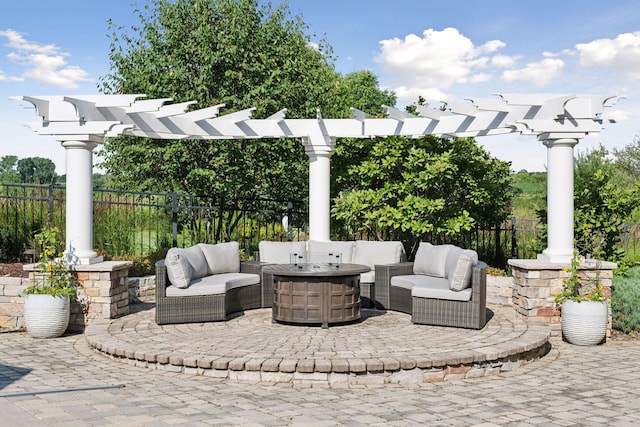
439, 50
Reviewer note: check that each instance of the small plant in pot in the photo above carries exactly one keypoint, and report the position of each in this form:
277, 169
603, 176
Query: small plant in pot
47, 301
584, 307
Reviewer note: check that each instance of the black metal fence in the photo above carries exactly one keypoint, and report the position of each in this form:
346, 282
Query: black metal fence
140, 224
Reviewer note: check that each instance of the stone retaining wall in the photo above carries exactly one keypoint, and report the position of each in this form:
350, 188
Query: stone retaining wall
11, 304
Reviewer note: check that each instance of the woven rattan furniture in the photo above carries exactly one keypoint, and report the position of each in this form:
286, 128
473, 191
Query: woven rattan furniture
433, 311
204, 308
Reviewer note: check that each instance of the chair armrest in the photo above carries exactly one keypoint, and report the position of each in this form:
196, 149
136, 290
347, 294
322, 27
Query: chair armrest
384, 273
161, 280
251, 267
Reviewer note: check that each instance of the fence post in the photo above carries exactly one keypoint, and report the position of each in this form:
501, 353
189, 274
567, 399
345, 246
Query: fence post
174, 218
498, 235
514, 243
50, 205
289, 221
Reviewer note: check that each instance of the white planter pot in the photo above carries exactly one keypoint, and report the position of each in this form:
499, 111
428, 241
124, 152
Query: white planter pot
585, 322
46, 316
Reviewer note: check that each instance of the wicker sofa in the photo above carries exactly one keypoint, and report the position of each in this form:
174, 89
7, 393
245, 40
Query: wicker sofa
444, 286
370, 253
205, 283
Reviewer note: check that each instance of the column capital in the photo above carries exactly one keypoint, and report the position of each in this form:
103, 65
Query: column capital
561, 142
319, 146
74, 143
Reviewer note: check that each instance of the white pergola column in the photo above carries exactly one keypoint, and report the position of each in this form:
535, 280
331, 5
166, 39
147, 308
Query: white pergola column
79, 220
560, 244
319, 151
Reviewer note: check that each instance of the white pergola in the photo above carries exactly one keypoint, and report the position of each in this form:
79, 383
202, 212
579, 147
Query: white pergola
80, 123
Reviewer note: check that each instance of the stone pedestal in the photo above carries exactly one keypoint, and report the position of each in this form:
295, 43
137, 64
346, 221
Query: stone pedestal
536, 282
103, 294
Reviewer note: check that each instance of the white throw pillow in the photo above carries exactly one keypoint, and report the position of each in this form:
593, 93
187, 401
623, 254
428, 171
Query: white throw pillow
431, 259
222, 258
178, 268
461, 277
197, 260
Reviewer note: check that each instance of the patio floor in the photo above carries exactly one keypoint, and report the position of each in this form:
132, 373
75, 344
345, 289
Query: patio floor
383, 348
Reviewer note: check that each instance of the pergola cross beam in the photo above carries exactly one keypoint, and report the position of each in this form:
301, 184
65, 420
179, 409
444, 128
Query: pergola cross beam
560, 121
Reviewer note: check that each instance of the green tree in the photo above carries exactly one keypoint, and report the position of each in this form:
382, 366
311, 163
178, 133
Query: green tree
241, 53
36, 170
406, 189
601, 203
8, 171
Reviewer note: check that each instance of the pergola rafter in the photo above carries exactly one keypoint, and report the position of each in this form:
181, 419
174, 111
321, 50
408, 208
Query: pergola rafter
82, 122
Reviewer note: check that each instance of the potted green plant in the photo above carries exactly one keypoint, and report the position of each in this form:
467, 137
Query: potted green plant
584, 312
47, 301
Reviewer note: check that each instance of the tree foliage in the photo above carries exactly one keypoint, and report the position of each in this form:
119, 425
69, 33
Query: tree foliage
8, 172
241, 53
406, 189
601, 204
34, 170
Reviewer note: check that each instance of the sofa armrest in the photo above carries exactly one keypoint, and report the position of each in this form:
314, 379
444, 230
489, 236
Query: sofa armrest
161, 280
251, 267
479, 283
384, 273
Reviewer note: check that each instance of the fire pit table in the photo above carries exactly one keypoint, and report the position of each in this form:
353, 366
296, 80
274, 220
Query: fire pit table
316, 293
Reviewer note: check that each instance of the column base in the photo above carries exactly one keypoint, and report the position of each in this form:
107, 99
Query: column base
555, 256
89, 261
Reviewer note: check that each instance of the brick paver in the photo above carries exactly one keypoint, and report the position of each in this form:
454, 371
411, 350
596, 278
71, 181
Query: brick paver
78, 386
382, 345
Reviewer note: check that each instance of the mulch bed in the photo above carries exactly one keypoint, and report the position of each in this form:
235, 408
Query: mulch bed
13, 269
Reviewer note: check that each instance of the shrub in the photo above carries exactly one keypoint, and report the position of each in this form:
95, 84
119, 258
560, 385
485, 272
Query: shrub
625, 301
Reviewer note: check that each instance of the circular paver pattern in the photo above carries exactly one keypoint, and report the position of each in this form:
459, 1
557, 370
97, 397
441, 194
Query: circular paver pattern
250, 347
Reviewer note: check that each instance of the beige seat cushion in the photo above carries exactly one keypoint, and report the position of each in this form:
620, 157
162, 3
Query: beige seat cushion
179, 270
374, 253
222, 257
319, 251
460, 274
279, 252
431, 259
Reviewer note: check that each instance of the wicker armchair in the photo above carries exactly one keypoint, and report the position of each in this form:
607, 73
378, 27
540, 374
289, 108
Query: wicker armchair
203, 308
463, 314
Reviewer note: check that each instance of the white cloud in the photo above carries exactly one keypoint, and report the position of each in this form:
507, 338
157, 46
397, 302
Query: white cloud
16, 41
43, 63
621, 54
504, 61
436, 60
539, 73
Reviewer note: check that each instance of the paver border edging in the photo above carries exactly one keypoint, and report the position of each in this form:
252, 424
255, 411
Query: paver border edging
446, 366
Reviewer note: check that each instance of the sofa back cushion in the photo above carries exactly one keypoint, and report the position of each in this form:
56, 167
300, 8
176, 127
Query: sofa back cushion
179, 270
460, 273
322, 249
374, 253
222, 257
278, 252
431, 259
197, 261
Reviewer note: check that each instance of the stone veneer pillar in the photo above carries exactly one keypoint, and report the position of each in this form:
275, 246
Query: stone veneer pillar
104, 292
536, 282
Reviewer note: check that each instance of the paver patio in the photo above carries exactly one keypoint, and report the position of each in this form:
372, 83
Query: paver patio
569, 386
